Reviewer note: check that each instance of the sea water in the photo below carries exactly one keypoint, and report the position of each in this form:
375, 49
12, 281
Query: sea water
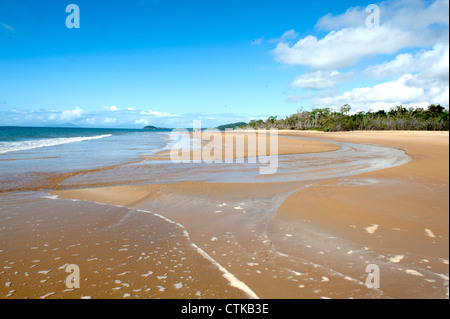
27, 153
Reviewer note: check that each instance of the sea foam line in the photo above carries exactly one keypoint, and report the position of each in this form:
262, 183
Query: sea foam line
6, 147
233, 281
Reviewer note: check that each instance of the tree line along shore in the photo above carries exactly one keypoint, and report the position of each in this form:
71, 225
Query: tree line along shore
434, 118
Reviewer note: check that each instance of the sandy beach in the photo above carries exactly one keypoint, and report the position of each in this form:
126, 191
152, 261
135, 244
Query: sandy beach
284, 238
244, 144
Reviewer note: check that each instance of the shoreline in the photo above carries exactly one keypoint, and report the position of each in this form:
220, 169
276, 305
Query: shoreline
311, 239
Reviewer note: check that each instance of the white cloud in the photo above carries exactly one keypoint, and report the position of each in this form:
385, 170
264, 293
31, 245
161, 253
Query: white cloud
415, 15
432, 63
131, 109
70, 115
415, 32
344, 48
158, 114
289, 35
111, 108
286, 37
406, 90
401, 64
404, 24
353, 17
319, 80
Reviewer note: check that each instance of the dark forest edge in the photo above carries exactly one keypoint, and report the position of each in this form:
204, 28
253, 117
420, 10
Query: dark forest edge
434, 118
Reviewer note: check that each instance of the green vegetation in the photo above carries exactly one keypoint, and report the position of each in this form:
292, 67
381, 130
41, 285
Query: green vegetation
154, 128
434, 118
232, 126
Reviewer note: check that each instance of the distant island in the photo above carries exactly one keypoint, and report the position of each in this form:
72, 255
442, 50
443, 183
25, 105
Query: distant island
232, 126
220, 127
154, 128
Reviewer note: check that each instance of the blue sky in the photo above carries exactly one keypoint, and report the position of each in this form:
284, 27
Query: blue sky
168, 62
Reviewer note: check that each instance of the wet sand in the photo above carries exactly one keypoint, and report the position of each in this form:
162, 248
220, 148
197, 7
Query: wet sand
292, 239
244, 144
400, 213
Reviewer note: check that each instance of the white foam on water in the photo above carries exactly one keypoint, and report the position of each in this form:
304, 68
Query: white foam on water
445, 277
413, 272
372, 229
50, 196
429, 233
47, 295
396, 259
6, 147
296, 272
233, 281
147, 274
124, 273
178, 285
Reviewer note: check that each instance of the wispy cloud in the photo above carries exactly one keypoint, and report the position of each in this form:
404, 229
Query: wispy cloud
319, 80
7, 27
258, 41
158, 114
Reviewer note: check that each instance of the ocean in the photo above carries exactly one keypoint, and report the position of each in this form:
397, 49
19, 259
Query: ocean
31, 156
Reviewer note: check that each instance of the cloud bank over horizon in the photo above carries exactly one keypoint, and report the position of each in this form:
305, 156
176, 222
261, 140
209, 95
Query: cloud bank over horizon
113, 116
